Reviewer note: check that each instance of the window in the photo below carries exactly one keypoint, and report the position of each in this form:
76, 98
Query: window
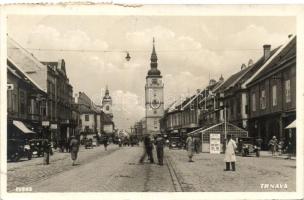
22, 102
287, 91
107, 108
154, 81
263, 100
86, 118
253, 102
274, 95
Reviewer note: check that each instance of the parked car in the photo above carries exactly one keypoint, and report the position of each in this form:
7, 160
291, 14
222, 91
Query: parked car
36, 146
247, 146
175, 142
88, 143
16, 149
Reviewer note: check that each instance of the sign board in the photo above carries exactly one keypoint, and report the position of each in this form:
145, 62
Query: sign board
10, 86
215, 143
53, 126
45, 123
108, 128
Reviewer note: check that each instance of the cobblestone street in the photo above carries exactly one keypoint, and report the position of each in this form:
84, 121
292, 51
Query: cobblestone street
117, 170
206, 173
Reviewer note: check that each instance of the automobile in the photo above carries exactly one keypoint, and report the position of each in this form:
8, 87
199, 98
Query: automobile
88, 143
36, 146
16, 149
134, 141
247, 146
175, 142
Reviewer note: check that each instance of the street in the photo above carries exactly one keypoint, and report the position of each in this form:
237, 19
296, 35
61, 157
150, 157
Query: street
117, 170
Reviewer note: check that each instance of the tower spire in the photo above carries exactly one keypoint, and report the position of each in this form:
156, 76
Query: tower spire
153, 55
107, 90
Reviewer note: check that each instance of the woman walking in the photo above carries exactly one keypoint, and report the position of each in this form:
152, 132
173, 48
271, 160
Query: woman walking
74, 148
190, 147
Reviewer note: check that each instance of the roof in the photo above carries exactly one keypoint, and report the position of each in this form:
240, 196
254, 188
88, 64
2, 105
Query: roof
232, 79
19, 69
286, 54
235, 78
273, 59
27, 63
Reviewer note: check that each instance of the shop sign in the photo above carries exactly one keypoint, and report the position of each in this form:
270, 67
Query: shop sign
45, 123
215, 143
53, 126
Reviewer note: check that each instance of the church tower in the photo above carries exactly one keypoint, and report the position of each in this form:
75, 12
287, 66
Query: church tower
154, 96
107, 103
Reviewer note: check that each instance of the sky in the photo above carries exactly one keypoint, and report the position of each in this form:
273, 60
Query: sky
190, 51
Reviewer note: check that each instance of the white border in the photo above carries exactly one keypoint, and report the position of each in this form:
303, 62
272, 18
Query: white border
163, 10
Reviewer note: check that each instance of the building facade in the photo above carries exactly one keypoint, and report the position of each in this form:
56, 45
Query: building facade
26, 104
154, 98
272, 96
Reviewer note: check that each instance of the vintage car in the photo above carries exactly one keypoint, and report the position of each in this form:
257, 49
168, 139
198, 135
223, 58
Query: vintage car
36, 146
247, 146
175, 142
88, 143
16, 149
134, 140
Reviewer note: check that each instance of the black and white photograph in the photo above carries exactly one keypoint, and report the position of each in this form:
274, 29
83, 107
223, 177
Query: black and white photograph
150, 102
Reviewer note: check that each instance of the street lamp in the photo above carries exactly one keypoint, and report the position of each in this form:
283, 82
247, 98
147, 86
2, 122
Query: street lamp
128, 57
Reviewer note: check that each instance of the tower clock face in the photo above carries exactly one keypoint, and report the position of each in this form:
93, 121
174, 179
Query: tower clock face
155, 103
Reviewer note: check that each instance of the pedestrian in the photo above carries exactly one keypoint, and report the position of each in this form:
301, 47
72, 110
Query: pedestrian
190, 147
46, 152
159, 143
105, 142
145, 143
289, 150
74, 147
149, 148
273, 145
196, 144
230, 154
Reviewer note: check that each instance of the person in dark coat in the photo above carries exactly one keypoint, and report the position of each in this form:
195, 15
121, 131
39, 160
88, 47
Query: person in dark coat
105, 142
160, 143
47, 151
74, 147
148, 150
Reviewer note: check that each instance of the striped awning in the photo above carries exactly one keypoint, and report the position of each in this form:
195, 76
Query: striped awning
20, 125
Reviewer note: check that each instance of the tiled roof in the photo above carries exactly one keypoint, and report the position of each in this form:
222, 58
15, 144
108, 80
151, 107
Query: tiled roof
287, 53
28, 63
270, 62
245, 73
232, 79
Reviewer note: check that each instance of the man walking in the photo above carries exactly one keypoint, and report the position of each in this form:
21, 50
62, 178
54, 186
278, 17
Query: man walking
159, 142
230, 154
148, 147
273, 145
190, 147
74, 147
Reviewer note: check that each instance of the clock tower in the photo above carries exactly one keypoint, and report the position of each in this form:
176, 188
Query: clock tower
154, 96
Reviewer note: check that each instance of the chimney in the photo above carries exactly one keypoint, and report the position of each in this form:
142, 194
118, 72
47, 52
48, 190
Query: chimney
243, 66
290, 35
198, 91
267, 48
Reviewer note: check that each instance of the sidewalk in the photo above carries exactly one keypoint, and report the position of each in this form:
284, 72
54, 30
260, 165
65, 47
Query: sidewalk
282, 156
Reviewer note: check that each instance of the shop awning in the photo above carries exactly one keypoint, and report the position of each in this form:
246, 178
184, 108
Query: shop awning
291, 125
20, 125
